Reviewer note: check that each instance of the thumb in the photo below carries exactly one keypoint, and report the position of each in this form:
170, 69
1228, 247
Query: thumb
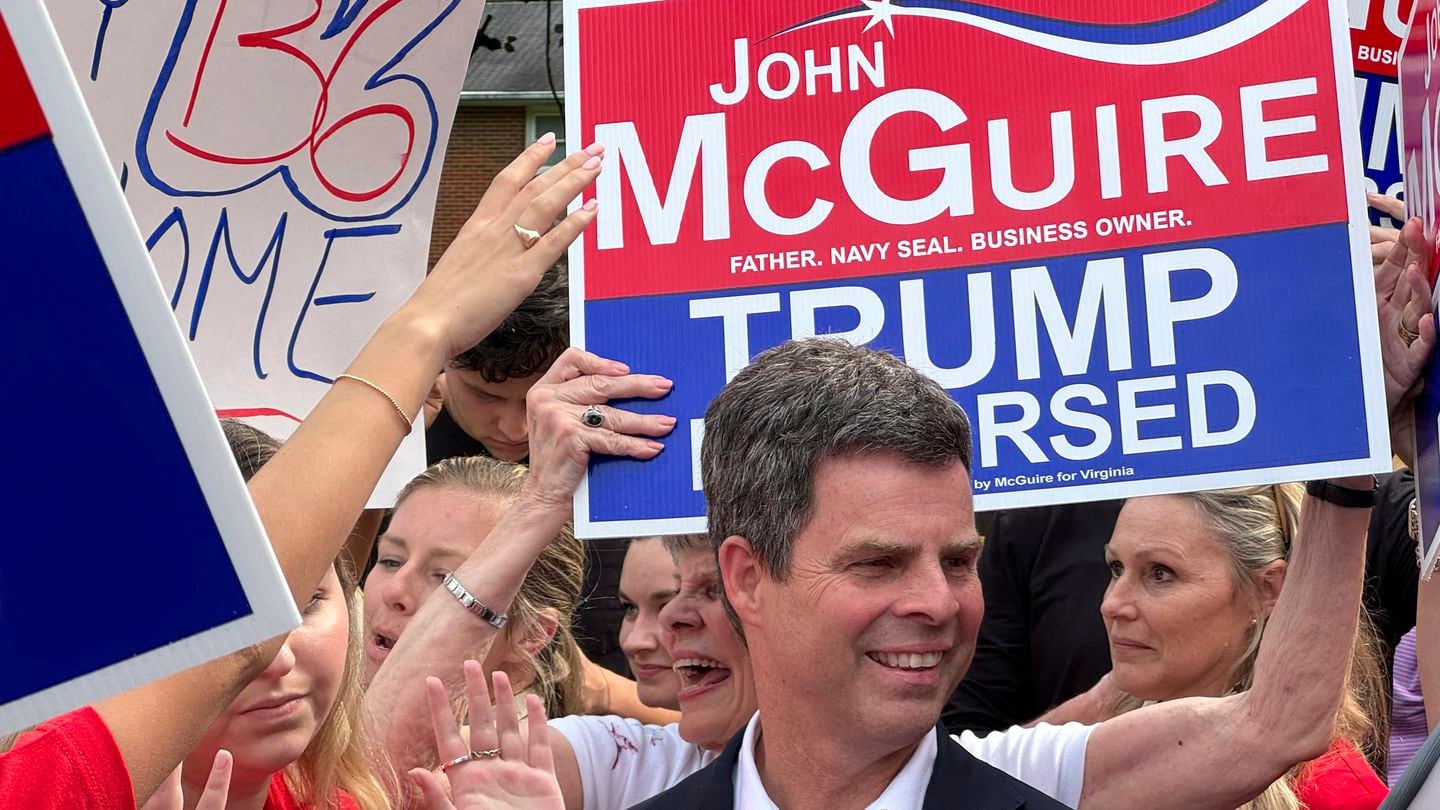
435, 798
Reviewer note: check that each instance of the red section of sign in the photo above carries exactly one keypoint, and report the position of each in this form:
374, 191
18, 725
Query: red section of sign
1420, 122
802, 109
1376, 37
247, 413
20, 116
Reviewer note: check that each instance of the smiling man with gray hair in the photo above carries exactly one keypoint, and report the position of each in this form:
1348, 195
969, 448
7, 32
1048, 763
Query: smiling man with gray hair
840, 511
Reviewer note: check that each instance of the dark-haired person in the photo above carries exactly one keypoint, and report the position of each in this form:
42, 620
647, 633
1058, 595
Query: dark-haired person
483, 388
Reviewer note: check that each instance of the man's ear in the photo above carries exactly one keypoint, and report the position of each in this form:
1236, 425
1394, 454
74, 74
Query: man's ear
740, 576
540, 633
1269, 579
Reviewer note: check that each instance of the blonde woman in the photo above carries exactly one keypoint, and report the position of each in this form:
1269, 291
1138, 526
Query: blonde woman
1194, 579
439, 518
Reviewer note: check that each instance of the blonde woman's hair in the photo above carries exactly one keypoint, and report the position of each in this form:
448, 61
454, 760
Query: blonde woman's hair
555, 582
1256, 526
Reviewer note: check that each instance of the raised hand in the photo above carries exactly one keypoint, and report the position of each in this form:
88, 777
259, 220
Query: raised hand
497, 768
488, 270
1407, 329
561, 440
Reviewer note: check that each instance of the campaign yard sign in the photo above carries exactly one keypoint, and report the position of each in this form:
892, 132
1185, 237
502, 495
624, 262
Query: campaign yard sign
133, 550
1376, 30
1420, 135
1128, 237
282, 160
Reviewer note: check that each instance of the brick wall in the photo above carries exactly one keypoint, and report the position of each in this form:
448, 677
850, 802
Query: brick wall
482, 142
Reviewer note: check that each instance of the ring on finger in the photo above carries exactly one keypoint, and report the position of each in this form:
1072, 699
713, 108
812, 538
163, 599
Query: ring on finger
593, 417
1406, 334
528, 238
471, 756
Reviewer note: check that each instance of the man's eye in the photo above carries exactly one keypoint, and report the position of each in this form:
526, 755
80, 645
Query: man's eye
1116, 569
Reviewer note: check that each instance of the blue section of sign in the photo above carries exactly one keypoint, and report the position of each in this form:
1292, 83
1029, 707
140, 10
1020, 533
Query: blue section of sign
114, 552
1293, 312
1379, 98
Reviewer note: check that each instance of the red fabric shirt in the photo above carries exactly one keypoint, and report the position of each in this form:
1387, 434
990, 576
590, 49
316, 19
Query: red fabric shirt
280, 798
1340, 779
69, 762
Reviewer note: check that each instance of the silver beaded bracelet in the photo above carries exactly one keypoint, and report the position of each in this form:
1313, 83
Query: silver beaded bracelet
469, 602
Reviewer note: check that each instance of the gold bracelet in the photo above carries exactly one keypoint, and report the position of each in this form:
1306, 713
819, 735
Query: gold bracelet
399, 411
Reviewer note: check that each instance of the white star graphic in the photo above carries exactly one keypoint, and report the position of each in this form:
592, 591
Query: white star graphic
881, 12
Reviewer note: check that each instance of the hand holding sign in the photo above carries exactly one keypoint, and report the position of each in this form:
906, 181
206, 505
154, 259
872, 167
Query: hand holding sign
1403, 298
561, 441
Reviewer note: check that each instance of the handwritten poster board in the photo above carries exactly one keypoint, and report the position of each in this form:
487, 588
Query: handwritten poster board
132, 548
1129, 238
282, 160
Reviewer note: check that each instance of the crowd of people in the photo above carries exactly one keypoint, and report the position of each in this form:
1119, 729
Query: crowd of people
847, 634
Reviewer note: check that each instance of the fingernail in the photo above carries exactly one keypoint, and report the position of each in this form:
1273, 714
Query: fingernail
591, 204
657, 446
619, 366
594, 149
548, 137
665, 383
667, 421
592, 163
1371, 194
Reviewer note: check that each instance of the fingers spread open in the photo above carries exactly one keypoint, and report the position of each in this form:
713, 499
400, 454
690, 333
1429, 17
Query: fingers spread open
507, 724
539, 742
447, 734
431, 789
482, 714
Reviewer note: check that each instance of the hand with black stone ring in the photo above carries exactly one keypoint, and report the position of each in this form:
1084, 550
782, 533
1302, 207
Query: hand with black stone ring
569, 419
497, 767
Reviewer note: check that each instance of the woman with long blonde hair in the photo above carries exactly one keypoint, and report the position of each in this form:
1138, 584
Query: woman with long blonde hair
1194, 579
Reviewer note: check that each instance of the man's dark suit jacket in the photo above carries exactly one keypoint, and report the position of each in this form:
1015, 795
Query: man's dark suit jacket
958, 781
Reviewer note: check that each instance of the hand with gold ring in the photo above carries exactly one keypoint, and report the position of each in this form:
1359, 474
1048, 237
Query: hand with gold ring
497, 767
507, 244
1407, 329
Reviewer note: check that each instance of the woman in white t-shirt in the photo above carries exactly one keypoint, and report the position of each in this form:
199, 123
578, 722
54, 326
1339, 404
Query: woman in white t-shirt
614, 762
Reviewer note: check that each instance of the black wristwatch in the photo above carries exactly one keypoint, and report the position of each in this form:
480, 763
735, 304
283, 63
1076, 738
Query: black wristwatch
1344, 496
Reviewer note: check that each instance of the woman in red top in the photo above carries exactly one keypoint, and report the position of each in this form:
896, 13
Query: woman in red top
310, 495
1193, 580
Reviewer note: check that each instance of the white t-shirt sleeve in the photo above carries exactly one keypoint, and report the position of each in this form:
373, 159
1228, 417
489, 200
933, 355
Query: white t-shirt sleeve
624, 762
1049, 758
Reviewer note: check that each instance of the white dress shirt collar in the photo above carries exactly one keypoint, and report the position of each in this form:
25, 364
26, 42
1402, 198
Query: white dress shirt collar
905, 792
